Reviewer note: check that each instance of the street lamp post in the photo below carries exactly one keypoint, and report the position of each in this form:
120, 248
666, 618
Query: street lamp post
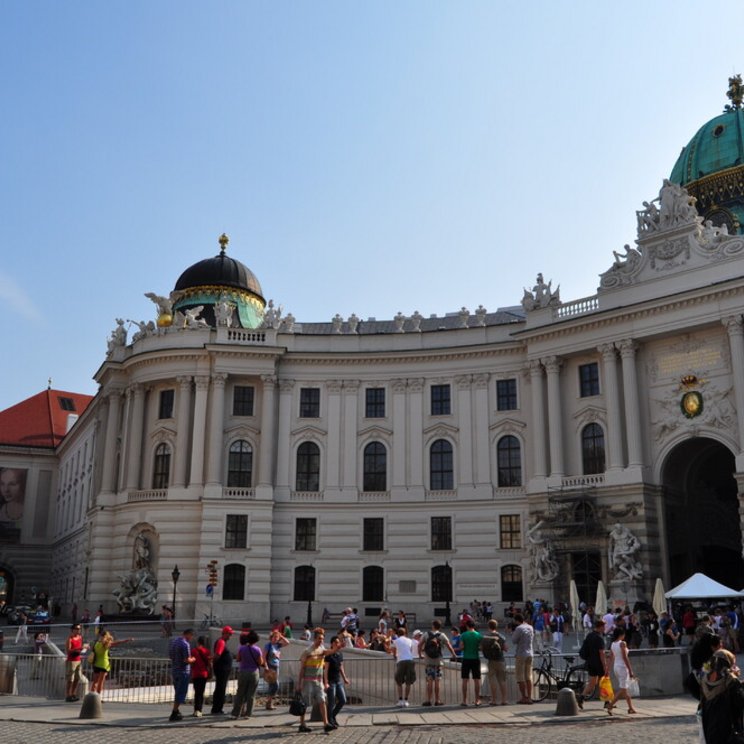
448, 593
175, 574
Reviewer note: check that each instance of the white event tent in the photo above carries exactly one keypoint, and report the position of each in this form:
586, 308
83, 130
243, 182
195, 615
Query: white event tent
699, 586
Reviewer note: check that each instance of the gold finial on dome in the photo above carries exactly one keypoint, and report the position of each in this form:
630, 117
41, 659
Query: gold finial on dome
223, 241
735, 93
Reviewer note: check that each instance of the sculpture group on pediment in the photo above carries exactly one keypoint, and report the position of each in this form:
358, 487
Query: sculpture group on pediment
542, 295
145, 329
676, 207
192, 319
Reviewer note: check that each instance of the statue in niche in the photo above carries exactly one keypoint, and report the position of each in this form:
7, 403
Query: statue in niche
544, 565
623, 554
138, 590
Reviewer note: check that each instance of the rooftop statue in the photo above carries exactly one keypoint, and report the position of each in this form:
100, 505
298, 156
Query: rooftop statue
165, 304
542, 295
192, 317
223, 312
118, 336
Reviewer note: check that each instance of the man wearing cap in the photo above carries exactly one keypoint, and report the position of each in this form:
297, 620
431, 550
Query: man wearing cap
74, 647
221, 665
593, 652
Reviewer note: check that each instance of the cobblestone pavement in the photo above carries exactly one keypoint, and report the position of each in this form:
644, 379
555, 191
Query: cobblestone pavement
620, 731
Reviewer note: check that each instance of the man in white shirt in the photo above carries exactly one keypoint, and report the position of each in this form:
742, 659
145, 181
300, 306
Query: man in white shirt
609, 621
403, 649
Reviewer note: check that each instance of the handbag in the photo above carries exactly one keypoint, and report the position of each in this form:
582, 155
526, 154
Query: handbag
605, 689
297, 706
270, 676
634, 688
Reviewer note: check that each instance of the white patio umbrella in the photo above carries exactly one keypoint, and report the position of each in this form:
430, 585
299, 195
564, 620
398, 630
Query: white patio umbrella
600, 606
659, 603
573, 600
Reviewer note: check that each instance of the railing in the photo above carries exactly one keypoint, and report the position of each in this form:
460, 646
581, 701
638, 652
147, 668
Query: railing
239, 493
236, 335
306, 496
153, 494
577, 307
441, 495
583, 480
374, 496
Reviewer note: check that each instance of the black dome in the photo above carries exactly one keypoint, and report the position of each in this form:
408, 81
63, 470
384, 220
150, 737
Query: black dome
220, 271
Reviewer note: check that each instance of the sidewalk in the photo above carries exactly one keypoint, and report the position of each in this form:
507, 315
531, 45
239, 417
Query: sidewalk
133, 715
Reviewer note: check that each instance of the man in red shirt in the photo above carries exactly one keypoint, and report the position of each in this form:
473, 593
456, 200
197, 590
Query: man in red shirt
221, 665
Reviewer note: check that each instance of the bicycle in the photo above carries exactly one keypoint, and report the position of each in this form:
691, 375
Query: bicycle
544, 677
210, 621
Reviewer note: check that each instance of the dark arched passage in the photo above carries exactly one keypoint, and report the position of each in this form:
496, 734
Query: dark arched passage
702, 513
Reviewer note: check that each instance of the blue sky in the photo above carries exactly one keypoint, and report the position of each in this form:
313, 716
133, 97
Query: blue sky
363, 157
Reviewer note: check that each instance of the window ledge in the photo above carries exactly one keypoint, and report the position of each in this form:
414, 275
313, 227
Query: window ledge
370, 552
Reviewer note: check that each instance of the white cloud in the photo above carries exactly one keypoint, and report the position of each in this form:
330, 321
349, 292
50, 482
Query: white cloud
15, 296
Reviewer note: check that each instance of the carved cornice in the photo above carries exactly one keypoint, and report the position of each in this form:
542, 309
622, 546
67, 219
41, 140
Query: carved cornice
286, 386
219, 379
628, 348
463, 382
399, 386
608, 352
334, 386
733, 325
184, 380
308, 431
352, 386
269, 381
480, 381
416, 384
552, 364
202, 382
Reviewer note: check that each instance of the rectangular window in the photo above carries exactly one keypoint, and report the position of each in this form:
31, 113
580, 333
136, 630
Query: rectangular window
243, 400
236, 531
506, 395
441, 533
589, 379
373, 533
305, 531
375, 403
509, 529
440, 400
67, 404
310, 402
165, 410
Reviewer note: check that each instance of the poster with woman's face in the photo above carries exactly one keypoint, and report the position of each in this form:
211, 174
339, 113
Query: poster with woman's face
12, 496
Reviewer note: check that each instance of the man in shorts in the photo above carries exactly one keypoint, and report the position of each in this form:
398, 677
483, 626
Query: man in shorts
493, 646
471, 641
593, 653
311, 679
431, 647
403, 649
522, 640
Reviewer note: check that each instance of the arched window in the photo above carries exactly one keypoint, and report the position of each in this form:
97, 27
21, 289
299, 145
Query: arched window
234, 585
304, 584
375, 467
441, 584
441, 474
511, 584
308, 467
509, 460
372, 584
593, 449
240, 465
161, 468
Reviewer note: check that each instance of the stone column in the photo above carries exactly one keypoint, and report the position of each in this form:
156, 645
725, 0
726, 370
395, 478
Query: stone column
351, 405
398, 456
555, 422
736, 342
285, 425
612, 398
196, 477
415, 432
333, 458
538, 418
465, 421
216, 429
266, 451
134, 450
632, 406
108, 484
482, 440
183, 435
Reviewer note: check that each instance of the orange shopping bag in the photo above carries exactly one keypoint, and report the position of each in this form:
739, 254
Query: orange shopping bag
605, 689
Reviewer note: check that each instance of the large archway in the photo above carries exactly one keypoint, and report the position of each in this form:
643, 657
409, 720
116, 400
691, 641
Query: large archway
702, 513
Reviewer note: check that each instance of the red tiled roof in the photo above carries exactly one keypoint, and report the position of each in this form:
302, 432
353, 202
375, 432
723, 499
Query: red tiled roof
41, 420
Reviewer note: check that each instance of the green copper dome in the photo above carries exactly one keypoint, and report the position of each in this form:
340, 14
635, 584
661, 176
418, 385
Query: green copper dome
711, 166
718, 145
